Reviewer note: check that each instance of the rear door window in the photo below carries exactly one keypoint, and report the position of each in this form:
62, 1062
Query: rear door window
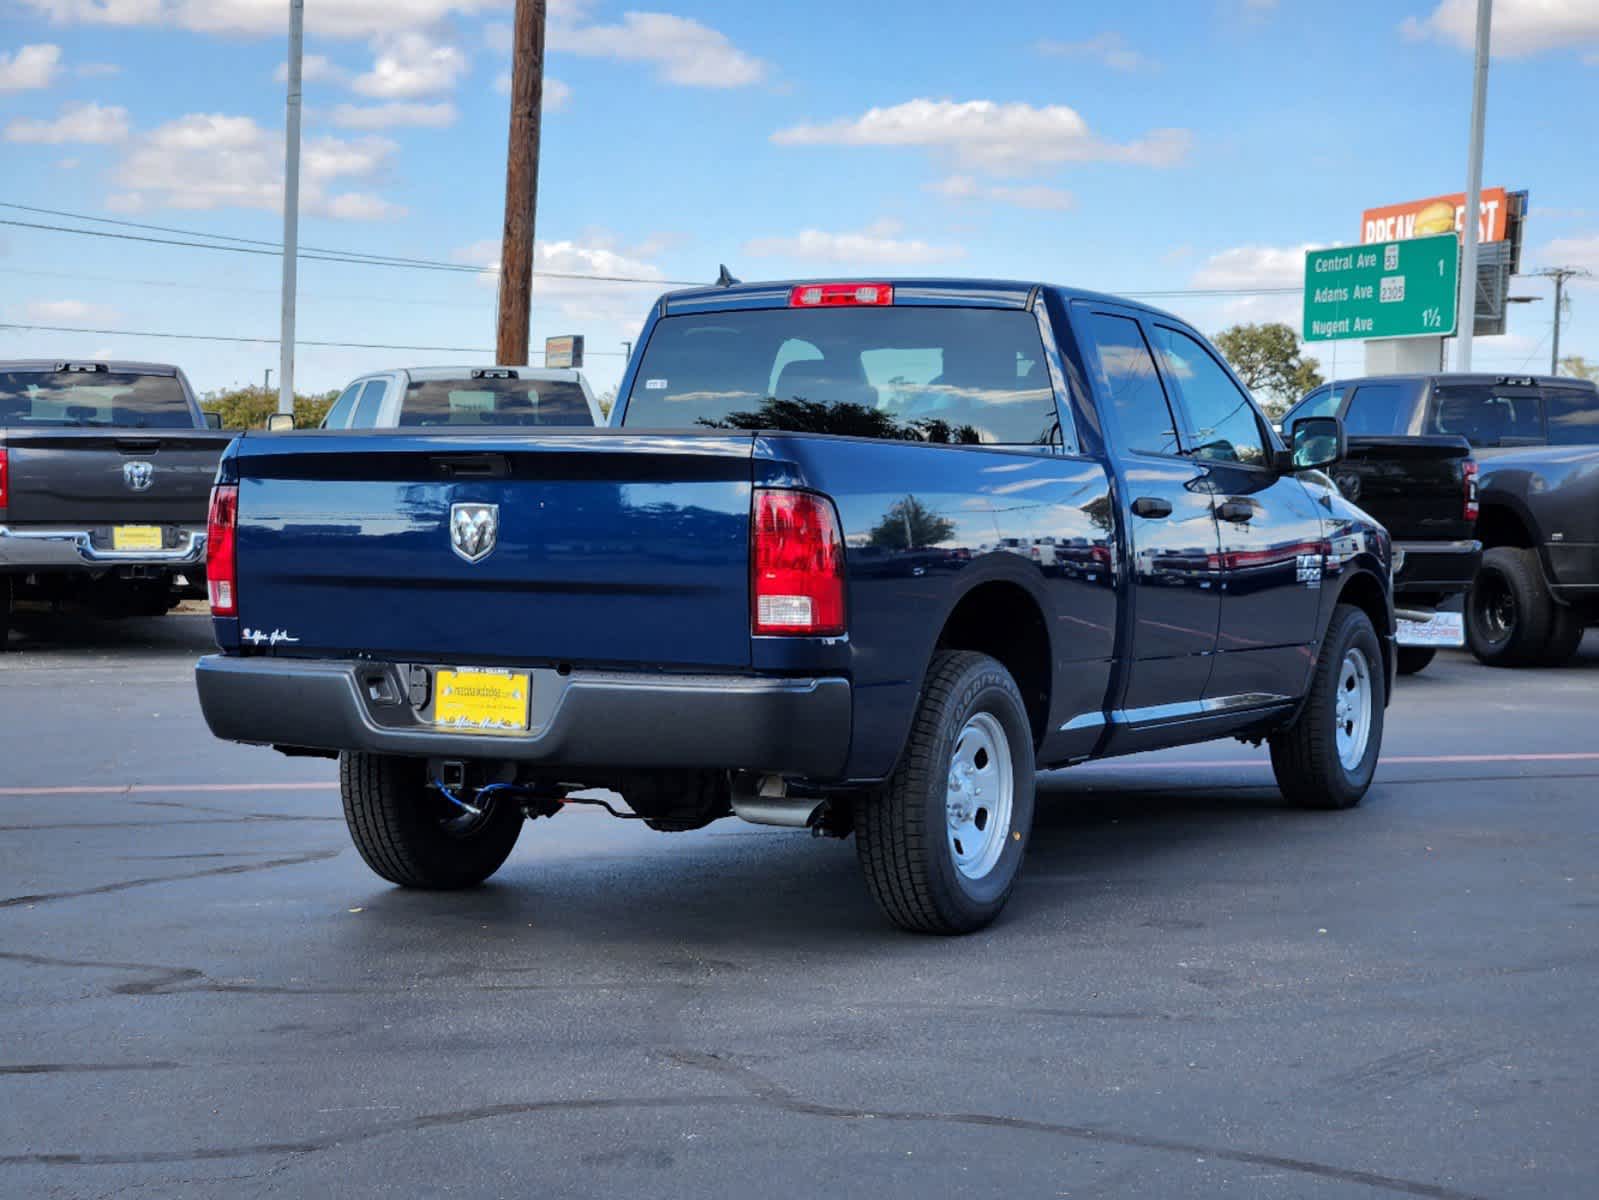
339, 415
1488, 414
494, 401
1573, 415
1377, 410
1226, 428
1127, 373
366, 408
906, 373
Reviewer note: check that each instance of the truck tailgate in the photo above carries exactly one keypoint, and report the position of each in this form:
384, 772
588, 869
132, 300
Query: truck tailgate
1414, 485
85, 477
584, 547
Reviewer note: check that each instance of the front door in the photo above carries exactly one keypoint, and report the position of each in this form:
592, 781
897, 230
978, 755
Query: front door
1269, 529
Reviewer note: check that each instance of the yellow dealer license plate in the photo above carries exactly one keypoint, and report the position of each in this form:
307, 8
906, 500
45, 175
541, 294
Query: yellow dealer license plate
136, 537
490, 701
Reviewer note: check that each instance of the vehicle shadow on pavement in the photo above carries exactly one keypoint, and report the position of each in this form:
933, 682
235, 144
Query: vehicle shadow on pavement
79, 632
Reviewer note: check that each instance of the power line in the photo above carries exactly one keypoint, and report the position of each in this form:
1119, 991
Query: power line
264, 341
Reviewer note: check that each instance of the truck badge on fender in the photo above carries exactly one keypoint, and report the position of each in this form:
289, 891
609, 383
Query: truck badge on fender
138, 475
474, 530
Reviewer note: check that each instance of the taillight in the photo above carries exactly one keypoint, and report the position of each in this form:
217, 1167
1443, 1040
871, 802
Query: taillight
221, 564
1468, 486
796, 565
5, 476
839, 295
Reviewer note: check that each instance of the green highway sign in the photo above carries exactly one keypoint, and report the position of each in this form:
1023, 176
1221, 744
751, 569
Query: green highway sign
1383, 290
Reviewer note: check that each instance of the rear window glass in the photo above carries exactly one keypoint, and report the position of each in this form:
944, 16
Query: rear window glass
494, 402
1488, 415
1573, 415
34, 399
962, 375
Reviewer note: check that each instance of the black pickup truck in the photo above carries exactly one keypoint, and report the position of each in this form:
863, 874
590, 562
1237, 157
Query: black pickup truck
1536, 439
795, 582
105, 470
1422, 485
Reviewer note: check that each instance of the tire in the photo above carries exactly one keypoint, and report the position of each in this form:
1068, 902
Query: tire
5, 611
1315, 758
411, 835
1566, 627
970, 726
1509, 610
1414, 659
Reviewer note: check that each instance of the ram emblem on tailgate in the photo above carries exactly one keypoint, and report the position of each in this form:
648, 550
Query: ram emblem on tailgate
474, 530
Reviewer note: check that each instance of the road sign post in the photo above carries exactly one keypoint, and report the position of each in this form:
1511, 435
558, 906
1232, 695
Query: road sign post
1382, 290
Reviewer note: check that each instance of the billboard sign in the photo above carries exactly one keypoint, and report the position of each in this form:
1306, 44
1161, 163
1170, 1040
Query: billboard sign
564, 351
1393, 289
1436, 214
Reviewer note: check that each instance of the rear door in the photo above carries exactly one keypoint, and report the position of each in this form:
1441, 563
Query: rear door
1269, 528
1172, 528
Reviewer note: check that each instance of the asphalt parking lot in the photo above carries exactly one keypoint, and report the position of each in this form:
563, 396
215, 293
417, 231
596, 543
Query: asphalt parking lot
1196, 992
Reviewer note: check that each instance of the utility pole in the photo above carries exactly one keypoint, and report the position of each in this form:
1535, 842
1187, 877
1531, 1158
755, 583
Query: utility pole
266, 380
291, 208
1467, 307
521, 183
1560, 275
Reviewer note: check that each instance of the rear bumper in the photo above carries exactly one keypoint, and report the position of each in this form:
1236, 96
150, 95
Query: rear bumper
582, 719
61, 549
1437, 568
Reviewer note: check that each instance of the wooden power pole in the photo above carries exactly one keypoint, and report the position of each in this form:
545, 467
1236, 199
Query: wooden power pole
521, 183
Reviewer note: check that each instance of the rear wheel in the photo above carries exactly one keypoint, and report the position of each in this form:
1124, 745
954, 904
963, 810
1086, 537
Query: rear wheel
941, 845
1415, 658
1327, 757
411, 835
1509, 609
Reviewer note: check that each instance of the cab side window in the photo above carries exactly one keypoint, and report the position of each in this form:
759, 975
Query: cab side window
1323, 402
1127, 374
1377, 409
1226, 428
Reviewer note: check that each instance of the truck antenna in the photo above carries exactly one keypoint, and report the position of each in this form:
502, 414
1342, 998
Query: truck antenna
725, 277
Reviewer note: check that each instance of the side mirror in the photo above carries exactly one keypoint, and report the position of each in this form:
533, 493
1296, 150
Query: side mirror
280, 422
1317, 442
213, 420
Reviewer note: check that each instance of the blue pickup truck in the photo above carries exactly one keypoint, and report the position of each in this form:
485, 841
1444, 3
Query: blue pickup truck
861, 557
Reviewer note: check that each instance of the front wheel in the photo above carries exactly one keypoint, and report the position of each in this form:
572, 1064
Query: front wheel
942, 843
1327, 757
411, 835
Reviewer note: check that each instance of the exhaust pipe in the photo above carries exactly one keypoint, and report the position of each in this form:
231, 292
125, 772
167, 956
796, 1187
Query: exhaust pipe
764, 800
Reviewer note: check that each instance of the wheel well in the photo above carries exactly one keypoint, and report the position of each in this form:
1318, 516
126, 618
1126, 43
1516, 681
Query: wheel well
1004, 622
1500, 526
1366, 594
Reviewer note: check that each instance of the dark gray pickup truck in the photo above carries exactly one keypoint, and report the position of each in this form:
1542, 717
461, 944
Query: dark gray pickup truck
105, 473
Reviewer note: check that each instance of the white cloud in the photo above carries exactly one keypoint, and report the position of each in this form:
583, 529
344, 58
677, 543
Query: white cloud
1037, 195
96, 70
91, 123
557, 95
1253, 267
213, 160
1520, 27
1110, 49
29, 67
410, 65
334, 18
579, 300
1572, 252
50, 312
314, 68
397, 114
990, 135
682, 50
67, 164
877, 245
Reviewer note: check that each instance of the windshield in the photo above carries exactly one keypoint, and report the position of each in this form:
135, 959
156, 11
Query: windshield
963, 375
53, 399
1488, 415
495, 402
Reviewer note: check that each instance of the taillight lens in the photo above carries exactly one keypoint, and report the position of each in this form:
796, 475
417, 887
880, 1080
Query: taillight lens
221, 563
796, 565
840, 295
1468, 485
5, 477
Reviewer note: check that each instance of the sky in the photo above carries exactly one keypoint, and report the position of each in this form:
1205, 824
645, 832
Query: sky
1181, 147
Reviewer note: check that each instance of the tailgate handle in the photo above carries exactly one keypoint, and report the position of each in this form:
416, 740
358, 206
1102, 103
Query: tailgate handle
138, 445
473, 466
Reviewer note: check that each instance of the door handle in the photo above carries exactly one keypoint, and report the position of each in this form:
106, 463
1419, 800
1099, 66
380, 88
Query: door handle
1151, 506
1237, 511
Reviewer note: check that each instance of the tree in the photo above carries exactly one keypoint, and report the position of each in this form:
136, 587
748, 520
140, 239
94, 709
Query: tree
1268, 359
607, 401
249, 408
909, 524
1579, 368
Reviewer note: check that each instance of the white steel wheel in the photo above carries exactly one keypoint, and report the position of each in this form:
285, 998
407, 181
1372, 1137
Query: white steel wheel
1352, 708
979, 796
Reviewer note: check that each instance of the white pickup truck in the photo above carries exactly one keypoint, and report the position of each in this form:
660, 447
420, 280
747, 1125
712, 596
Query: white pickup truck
419, 397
